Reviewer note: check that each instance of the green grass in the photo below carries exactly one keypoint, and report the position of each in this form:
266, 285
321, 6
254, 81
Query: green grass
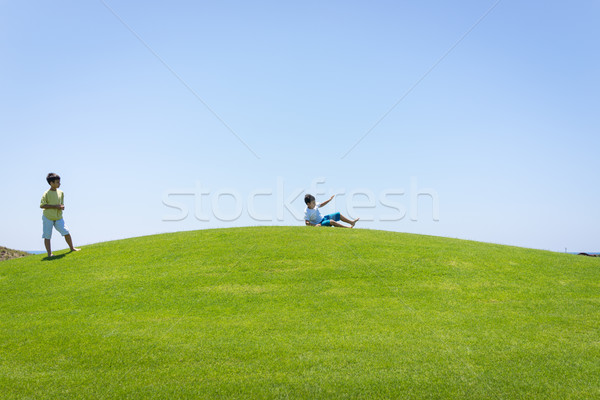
297, 312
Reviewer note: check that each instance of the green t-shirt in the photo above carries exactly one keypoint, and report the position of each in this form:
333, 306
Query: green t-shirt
53, 198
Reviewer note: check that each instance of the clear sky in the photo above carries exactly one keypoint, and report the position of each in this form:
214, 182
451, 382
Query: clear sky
472, 119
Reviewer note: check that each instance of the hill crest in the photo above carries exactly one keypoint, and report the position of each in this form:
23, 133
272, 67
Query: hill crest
7, 254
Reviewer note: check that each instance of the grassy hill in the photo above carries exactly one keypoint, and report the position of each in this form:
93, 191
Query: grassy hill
7, 254
297, 312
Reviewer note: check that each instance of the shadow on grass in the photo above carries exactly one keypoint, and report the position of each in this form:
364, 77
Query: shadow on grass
56, 257
59, 256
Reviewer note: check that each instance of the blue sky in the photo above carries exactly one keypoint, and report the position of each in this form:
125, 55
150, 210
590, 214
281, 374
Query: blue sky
470, 119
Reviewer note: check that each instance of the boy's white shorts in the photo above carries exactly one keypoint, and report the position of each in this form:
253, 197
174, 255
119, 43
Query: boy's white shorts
59, 225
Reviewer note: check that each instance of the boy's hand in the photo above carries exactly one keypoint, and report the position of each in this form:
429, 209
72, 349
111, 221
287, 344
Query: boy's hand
62, 206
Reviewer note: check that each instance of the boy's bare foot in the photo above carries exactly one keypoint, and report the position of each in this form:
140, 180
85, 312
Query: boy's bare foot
354, 222
75, 249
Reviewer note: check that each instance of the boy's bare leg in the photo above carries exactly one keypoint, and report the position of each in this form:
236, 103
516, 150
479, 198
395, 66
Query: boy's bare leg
349, 221
70, 243
48, 247
338, 225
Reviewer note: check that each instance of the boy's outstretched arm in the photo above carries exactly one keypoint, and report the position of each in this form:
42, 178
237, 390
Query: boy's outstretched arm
326, 201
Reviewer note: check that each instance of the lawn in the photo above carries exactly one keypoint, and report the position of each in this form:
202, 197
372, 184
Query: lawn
299, 312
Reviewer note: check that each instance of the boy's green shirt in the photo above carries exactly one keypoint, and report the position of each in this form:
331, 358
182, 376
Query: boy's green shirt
53, 198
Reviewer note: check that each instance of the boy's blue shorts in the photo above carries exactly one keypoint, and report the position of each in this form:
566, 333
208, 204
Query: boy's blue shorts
326, 219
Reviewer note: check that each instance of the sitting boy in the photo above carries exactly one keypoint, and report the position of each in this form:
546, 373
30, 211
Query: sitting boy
313, 217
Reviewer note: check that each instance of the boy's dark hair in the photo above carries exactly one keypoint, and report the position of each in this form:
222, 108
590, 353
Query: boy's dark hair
52, 177
308, 198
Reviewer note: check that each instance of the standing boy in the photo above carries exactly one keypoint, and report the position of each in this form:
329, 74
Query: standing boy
53, 203
313, 217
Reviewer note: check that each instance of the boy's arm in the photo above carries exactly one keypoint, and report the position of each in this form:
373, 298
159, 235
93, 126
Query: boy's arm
50, 206
326, 201
308, 223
